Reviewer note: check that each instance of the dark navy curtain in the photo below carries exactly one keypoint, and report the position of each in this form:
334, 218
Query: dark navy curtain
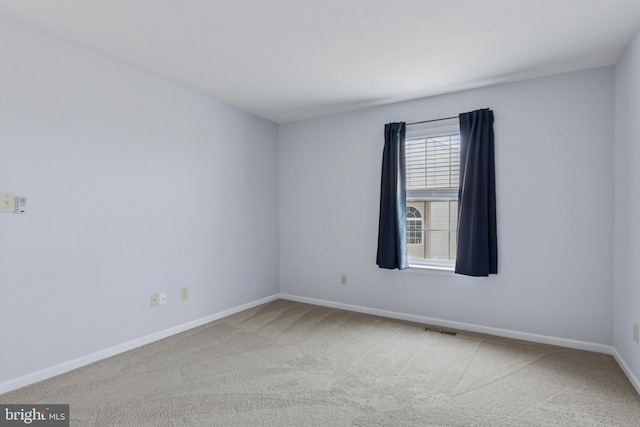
477, 253
392, 227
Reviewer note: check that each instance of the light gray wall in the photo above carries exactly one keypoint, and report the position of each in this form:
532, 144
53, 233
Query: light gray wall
554, 156
134, 186
627, 206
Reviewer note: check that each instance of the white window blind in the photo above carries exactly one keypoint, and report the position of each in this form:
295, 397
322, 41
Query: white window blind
433, 163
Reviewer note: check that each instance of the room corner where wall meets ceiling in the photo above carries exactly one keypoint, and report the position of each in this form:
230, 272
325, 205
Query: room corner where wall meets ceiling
554, 157
135, 187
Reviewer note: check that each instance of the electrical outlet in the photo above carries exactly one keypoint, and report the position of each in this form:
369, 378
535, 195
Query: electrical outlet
184, 293
153, 300
163, 298
636, 332
344, 280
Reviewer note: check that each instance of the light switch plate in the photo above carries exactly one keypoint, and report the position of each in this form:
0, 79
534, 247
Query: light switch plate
7, 202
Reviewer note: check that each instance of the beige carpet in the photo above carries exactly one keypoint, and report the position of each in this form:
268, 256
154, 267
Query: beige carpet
293, 364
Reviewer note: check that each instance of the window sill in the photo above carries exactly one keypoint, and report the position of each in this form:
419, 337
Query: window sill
439, 269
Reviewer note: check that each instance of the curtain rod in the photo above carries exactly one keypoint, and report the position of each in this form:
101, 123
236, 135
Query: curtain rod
434, 120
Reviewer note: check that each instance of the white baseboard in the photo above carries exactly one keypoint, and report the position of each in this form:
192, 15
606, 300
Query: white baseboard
627, 371
61, 368
561, 342
525, 336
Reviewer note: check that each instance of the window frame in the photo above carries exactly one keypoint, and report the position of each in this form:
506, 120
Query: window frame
428, 130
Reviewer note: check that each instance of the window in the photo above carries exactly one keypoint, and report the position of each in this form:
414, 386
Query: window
414, 226
433, 165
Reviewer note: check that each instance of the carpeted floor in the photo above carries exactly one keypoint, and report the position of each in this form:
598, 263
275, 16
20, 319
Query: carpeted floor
291, 364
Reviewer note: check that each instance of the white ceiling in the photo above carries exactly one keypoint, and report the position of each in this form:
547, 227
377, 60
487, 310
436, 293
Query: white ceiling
288, 60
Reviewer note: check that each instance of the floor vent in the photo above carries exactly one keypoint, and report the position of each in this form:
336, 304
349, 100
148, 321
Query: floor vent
453, 334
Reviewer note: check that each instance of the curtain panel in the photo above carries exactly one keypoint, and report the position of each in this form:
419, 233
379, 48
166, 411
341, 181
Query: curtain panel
392, 226
477, 248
